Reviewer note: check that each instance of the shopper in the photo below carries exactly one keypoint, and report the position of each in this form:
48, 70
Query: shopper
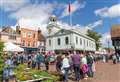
65, 68
76, 65
89, 63
39, 59
58, 63
84, 66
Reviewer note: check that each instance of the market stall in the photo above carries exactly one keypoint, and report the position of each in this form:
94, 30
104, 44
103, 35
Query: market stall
12, 47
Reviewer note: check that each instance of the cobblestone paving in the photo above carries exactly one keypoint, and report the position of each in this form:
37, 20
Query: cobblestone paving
106, 72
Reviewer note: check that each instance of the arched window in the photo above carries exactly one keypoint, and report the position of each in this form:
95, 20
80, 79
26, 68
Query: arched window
58, 40
76, 40
80, 41
28, 43
49, 42
66, 40
23, 43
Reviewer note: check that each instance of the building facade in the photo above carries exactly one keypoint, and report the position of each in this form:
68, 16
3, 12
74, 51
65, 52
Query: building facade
41, 41
31, 40
28, 38
13, 38
115, 37
70, 39
8, 35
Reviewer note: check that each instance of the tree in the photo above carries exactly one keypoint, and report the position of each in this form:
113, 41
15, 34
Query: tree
1, 46
96, 37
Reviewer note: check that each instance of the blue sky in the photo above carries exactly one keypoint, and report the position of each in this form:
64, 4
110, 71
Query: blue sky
98, 15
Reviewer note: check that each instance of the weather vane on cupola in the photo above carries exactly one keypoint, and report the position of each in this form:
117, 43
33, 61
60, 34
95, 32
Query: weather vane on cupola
52, 24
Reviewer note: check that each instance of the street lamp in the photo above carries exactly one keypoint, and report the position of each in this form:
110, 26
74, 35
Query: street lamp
108, 42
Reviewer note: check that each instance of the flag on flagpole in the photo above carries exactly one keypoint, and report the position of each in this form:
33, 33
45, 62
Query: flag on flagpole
69, 8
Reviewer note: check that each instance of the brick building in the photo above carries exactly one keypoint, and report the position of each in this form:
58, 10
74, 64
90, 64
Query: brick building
31, 40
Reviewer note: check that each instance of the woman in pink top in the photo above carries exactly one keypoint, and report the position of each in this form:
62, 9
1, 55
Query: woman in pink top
84, 66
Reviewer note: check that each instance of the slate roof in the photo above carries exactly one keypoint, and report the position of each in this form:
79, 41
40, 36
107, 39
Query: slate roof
69, 31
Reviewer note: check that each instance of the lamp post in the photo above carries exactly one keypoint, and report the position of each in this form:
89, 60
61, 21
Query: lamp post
108, 46
108, 43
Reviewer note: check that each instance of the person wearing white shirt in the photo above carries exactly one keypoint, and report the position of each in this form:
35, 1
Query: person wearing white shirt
84, 60
65, 68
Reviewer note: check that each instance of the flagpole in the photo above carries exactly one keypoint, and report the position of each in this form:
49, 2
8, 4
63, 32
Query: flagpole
70, 19
70, 14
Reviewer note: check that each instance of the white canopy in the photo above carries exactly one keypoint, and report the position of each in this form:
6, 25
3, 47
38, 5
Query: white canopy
12, 47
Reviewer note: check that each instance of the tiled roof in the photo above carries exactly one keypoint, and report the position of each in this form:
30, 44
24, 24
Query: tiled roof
115, 31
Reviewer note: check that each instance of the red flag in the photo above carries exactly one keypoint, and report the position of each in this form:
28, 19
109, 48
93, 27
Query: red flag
69, 8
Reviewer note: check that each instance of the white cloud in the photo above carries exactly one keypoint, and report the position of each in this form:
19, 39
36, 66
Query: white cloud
74, 7
0, 29
64, 25
12, 5
95, 24
113, 11
67, 26
41, 12
33, 16
106, 37
83, 29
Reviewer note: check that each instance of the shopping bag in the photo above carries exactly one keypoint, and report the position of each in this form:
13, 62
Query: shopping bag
63, 71
94, 67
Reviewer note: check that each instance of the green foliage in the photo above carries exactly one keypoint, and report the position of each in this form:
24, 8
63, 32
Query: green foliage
24, 74
1, 59
96, 37
1, 66
1, 47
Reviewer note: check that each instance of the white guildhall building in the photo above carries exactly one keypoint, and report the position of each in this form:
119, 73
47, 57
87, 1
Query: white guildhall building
67, 39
